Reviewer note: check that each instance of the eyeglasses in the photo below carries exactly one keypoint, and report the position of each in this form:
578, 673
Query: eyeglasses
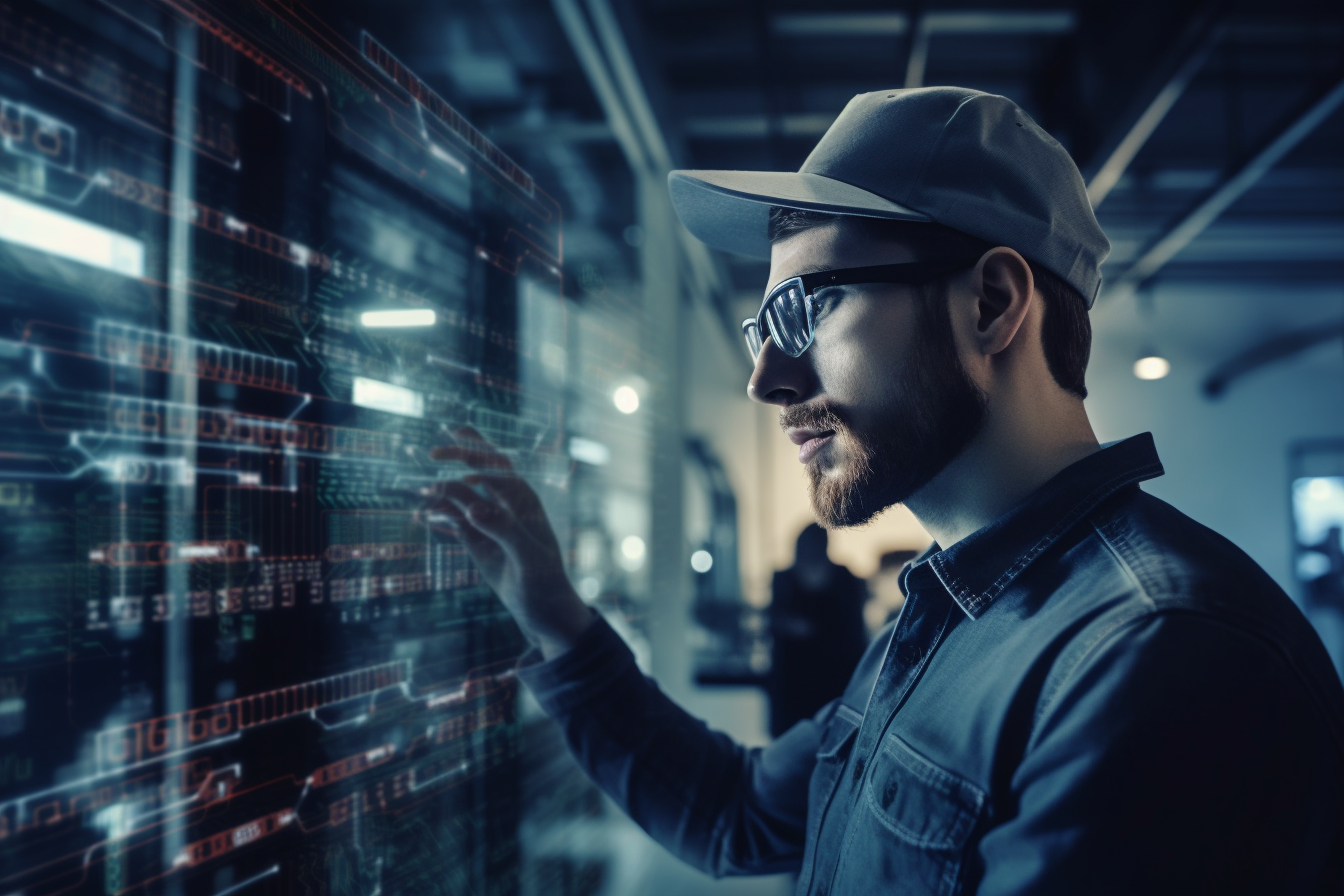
788, 310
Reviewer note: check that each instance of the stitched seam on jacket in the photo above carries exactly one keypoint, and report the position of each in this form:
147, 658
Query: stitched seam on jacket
1080, 509
1236, 617
1085, 650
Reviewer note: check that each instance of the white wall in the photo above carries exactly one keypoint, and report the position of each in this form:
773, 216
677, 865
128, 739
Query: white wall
1227, 458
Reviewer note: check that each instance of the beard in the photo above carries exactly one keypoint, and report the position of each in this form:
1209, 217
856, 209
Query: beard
927, 417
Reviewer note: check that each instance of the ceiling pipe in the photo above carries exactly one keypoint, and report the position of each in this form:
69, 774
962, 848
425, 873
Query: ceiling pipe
1183, 64
595, 67
612, 39
919, 54
1166, 247
606, 59
1278, 348
840, 24
978, 22
704, 268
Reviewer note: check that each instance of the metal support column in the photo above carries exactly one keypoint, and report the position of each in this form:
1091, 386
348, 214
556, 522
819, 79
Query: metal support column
664, 320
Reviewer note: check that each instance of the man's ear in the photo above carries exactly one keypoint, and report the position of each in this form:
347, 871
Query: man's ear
1002, 284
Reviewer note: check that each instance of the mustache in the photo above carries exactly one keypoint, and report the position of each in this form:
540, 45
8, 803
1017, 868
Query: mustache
811, 416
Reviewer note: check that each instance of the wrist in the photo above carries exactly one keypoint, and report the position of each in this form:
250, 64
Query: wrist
565, 630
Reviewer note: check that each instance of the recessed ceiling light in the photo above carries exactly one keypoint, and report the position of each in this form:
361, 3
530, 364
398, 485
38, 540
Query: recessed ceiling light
1152, 367
626, 399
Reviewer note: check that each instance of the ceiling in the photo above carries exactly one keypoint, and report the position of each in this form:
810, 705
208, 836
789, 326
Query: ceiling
1211, 134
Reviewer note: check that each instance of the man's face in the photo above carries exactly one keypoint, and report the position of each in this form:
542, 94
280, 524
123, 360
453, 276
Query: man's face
879, 403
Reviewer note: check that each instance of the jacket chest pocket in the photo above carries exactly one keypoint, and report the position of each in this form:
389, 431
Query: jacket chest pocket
912, 826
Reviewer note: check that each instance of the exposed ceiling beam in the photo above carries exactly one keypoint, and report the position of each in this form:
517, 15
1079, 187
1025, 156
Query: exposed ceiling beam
1165, 247
918, 59
990, 21
840, 24
1278, 348
1175, 73
599, 78
704, 268
607, 61
553, 132
631, 85
894, 24
737, 127
979, 22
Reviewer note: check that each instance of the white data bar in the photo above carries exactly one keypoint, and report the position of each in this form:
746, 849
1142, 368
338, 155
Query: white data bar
386, 397
33, 226
400, 317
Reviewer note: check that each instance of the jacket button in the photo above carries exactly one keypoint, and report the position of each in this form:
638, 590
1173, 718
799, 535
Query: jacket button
858, 770
909, 654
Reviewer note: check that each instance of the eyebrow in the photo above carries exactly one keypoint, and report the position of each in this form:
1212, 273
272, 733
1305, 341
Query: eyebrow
806, 272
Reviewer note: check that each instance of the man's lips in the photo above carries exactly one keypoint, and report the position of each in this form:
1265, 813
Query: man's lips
810, 441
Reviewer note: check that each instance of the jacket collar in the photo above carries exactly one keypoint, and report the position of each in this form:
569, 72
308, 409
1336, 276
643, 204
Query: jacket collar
978, 568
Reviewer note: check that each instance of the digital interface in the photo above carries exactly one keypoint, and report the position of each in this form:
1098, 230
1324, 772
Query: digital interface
252, 268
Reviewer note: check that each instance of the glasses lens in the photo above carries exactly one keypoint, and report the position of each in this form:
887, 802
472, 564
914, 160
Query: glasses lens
786, 315
752, 333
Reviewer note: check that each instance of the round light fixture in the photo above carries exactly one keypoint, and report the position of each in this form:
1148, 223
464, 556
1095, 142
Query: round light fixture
626, 399
632, 552
589, 588
1152, 367
702, 561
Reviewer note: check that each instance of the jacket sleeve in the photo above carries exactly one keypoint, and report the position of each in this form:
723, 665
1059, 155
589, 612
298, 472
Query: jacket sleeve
715, 804
1181, 755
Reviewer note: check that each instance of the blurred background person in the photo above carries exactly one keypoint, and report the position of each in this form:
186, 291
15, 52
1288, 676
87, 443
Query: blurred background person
817, 628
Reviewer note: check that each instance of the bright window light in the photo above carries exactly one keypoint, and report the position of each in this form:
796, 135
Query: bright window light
626, 399
387, 397
401, 317
1152, 367
702, 561
36, 227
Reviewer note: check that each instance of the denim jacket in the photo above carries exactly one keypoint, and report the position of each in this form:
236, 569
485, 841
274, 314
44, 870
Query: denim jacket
1093, 694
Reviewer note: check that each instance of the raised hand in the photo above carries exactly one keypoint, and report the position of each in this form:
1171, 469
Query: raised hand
500, 520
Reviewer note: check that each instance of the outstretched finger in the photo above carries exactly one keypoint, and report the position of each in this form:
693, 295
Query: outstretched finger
472, 437
511, 491
473, 456
479, 544
486, 513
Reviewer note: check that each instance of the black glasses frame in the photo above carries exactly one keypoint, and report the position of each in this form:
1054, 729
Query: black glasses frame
754, 328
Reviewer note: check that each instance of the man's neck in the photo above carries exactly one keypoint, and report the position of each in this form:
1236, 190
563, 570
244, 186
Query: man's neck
1012, 456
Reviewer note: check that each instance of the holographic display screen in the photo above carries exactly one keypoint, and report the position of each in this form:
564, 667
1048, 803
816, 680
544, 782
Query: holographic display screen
252, 268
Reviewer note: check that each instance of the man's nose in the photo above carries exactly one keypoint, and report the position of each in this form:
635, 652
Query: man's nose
780, 379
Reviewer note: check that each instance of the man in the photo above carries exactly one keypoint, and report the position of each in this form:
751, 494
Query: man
1086, 691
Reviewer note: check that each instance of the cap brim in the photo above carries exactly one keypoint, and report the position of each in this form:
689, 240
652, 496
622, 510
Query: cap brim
730, 210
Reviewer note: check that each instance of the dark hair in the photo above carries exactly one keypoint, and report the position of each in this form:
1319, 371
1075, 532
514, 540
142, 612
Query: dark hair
1066, 329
